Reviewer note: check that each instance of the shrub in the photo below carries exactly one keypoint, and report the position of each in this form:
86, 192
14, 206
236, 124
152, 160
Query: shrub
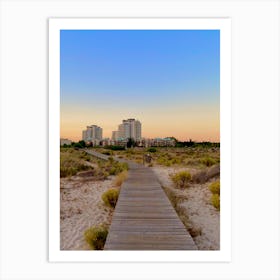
115, 148
117, 167
215, 199
162, 160
215, 188
181, 179
96, 237
208, 161
110, 197
112, 170
111, 159
152, 150
120, 178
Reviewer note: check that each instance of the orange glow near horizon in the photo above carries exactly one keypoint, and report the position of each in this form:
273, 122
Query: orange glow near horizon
199, 123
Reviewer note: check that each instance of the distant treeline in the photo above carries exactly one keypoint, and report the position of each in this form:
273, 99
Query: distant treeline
178, 144
197, 144
192, 143
80, 144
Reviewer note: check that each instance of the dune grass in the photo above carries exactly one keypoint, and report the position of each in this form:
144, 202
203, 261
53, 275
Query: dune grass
96, 237
72, 161
110, 197
120, 178
215, 198
181, 179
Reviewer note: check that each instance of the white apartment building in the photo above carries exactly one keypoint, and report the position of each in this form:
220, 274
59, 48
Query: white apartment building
130, 128
93, 134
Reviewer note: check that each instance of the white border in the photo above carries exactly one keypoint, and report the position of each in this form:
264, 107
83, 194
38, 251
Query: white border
55, 25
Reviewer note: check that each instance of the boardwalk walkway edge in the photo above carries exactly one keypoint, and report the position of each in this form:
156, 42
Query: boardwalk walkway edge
144, 218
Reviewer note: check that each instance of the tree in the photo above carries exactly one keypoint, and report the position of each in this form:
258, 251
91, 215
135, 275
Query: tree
130, 143
82, 143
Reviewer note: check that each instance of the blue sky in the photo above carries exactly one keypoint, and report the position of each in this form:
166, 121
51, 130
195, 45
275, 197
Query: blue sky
138, 72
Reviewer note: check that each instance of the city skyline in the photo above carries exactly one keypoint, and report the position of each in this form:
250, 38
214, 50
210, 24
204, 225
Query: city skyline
169, 79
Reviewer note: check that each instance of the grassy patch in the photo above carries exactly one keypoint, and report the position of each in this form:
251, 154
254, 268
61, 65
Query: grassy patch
215, 188
110, 197
120, 178
112, 167
208, 161
151, 150
96, 237
181, 179
215, 199
72, 161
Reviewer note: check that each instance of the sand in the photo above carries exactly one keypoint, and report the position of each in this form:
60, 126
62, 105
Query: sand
81, 207
202, 216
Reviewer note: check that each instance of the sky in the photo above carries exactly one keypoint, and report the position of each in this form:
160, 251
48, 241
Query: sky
167, 79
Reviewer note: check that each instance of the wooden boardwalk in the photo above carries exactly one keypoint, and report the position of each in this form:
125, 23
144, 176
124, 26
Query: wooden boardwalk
144, 218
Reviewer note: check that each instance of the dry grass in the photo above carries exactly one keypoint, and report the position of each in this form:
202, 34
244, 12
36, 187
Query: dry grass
110, 197
96, 237
215, 199
176, 198
181, 179
215, 187
72, 162
120, 178
192, 157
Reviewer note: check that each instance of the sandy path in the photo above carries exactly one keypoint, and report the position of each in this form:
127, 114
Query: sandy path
81, 207
201, 214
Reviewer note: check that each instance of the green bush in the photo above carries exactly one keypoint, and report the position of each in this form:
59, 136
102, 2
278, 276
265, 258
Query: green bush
215, 199
215, 188
115, 148
110, 197
152, 150
208, 161
96, 237
181, 179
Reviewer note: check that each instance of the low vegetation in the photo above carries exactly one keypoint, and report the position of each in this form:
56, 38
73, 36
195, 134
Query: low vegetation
207, 161
152, 150
112, 167
181, 179
176, 198
215, 188
72, 162
120, 178
110, 197
96, 237
215, 199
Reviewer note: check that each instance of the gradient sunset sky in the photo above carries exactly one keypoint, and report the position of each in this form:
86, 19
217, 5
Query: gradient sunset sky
167, 79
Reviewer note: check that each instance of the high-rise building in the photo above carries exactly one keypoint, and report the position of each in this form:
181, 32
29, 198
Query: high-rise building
93, 133
130, 128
